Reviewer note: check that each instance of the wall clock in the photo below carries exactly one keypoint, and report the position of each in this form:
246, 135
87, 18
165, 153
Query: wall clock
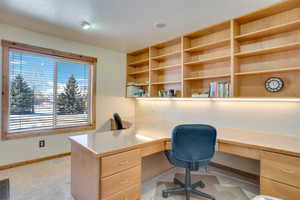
274, 84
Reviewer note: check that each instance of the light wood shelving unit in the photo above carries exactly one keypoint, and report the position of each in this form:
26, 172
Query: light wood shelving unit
165, 67
244, 52
138, 68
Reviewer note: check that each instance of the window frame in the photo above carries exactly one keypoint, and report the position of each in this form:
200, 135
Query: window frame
91, 61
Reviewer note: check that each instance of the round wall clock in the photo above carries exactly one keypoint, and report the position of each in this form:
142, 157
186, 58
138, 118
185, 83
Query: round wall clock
274, 84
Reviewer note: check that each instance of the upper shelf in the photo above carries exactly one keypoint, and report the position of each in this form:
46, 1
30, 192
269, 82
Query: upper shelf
139, 62
165, 82
268, 11
268, 50
162, 57
207, 77
138, 72
270, 31
267, 71
167, 67
208, 46
208, 60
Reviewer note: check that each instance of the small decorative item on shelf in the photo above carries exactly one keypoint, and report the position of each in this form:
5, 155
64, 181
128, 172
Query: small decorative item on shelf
219, 89
274, 84
140, 93
131, 90
166, 93
201, 95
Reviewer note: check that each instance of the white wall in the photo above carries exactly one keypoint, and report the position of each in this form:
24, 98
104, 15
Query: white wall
110, 93
274, 117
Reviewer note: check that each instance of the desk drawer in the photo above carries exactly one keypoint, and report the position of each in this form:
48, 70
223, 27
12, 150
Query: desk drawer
118, 182
119, 162
151, 149
282, 168
239, 150
279, 190
133, 193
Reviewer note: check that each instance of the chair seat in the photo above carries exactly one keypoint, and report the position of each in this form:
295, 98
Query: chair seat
183, 164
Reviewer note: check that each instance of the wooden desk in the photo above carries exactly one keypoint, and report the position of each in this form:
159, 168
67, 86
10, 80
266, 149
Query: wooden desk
107, 166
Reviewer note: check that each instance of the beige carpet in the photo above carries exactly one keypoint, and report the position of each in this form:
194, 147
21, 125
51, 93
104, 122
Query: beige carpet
213, 187
50, 180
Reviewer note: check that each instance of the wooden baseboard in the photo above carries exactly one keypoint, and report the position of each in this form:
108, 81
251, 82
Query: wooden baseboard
27, 162
255, 178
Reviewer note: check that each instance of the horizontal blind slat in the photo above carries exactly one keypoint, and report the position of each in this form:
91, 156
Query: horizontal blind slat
32, 100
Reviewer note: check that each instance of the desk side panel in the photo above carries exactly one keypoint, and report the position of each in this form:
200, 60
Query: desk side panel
85, 174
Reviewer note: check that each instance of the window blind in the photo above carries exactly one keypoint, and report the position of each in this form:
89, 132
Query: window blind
47, 92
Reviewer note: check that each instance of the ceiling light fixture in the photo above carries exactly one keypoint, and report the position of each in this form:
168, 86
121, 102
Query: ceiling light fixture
160, 25
85, 25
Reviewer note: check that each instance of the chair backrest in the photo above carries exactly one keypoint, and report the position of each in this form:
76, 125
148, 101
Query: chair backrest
194, 142
118, 121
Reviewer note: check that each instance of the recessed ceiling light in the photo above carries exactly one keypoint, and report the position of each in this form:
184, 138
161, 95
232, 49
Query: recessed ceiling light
160, 25
85, 25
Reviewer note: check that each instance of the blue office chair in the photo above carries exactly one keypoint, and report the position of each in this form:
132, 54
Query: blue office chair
193, 146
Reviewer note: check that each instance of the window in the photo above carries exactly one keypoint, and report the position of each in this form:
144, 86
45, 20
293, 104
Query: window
46, 91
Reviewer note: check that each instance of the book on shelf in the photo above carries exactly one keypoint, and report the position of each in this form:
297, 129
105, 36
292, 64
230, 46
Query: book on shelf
219, 89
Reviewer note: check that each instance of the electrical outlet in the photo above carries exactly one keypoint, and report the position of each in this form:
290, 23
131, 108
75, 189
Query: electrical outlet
42, 143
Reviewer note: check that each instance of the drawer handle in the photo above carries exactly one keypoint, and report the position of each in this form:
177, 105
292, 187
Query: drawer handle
287, 171
124, 162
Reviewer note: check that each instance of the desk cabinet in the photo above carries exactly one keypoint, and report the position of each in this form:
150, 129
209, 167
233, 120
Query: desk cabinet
119, 162
280, 175
112, 185
118, 175
132, 193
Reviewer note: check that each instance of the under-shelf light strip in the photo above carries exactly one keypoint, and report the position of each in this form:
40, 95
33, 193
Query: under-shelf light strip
221, 99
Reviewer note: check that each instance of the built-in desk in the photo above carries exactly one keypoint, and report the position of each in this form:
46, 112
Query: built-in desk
107, 165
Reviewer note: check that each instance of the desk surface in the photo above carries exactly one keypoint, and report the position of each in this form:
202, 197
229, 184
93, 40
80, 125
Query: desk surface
105, 143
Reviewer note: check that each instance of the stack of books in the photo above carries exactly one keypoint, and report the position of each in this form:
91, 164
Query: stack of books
219, 89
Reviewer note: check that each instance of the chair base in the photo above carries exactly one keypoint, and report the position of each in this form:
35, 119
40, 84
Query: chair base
187, 188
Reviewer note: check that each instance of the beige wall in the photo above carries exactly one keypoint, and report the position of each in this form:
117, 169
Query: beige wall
275, 117
110, 93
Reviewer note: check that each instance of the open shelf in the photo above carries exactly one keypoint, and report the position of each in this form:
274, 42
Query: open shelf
208, 46
139, 72
167, 67
267, 12
269, 31
269, 50
165, 56
288, 69
207, 77
165, 82
208, 60
139, 84
254, 86
139, 62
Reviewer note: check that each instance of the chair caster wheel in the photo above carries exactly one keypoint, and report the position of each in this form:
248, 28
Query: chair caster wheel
165, 195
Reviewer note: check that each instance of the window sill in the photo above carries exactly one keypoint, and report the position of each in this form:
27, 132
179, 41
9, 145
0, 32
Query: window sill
10, 136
